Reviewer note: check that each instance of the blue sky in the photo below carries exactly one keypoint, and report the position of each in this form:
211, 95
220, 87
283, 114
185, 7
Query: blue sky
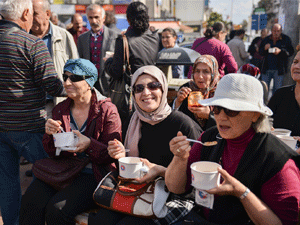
241, 8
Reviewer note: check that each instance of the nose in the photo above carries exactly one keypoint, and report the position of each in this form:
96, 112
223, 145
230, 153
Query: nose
68, 81
146, 91
222, 115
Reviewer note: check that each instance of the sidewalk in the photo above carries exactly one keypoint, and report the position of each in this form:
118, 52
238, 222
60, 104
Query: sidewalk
25, 181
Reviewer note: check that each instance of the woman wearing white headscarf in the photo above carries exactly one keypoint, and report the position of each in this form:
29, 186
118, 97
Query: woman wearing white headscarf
260, 173
149, 132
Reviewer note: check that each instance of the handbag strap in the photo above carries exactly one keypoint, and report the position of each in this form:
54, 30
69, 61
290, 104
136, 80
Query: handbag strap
200, 43
127, 66
8, 32
126, 54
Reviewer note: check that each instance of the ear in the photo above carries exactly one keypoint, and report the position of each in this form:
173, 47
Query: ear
255, 117
25, 15
48, 13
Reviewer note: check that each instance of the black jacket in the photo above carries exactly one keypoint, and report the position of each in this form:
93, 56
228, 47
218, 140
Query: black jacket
287, 50
143, 51
264, 156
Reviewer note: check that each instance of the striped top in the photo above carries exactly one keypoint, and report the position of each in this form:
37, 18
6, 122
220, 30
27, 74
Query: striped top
27, 73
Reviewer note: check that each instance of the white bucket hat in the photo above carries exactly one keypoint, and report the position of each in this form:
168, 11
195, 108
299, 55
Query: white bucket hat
239, 92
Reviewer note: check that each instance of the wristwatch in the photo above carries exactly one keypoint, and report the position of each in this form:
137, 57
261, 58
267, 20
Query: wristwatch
245, 194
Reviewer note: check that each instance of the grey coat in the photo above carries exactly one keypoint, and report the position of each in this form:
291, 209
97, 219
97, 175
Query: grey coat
108, 44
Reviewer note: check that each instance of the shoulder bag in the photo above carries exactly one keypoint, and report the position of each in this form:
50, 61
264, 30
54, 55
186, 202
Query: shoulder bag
60, 172
147, 200
120, 90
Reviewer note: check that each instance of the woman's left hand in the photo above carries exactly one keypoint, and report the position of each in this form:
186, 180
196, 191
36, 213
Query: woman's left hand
201, 111
230, 185
153, 172
83, 142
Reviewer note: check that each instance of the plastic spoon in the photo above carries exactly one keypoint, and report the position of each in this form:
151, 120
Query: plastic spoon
208, 143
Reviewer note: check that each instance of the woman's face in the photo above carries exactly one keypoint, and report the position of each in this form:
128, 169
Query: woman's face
221, 36
76, 90
233, 127
202, 76
148, 100
168, 40
295, 68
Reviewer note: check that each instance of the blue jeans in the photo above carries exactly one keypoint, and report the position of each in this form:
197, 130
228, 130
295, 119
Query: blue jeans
12, 146
278, 79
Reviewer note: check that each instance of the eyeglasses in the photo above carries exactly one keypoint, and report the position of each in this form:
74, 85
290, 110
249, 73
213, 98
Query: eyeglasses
152, 86
228, 112
74, 78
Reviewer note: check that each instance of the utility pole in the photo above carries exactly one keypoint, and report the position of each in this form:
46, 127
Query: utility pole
231, 12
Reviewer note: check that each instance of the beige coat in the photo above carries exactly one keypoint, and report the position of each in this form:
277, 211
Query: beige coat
63, 48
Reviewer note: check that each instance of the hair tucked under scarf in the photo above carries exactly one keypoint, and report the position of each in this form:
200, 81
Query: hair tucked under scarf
133, 134
215, 76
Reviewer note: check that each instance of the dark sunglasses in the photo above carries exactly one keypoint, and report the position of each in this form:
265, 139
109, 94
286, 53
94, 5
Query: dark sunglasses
152, 86
228, 112
74, 78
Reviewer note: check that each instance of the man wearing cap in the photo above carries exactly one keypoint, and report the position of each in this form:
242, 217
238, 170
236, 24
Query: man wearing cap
27, 73
95, 43
59, 41
95, 121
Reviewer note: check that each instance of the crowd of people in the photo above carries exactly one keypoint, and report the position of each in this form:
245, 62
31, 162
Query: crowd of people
58, 78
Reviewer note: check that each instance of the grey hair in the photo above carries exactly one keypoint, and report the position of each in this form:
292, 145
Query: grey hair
262, 125
46, 5
13, 9
94, 6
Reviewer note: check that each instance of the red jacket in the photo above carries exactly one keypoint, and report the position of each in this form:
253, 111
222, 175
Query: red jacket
107, 127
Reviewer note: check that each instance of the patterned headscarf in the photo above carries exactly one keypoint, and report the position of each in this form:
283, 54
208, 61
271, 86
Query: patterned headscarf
215, 76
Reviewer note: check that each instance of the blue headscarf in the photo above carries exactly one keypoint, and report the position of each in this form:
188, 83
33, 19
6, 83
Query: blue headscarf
83, 67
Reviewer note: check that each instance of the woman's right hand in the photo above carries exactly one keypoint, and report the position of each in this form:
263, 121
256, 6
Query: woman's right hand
182, 94
179, 146
116, 149
52, 126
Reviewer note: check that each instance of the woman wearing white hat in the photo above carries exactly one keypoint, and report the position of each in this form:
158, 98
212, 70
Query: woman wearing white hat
260, 176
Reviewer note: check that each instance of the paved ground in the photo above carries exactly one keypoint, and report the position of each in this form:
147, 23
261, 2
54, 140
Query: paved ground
25, 181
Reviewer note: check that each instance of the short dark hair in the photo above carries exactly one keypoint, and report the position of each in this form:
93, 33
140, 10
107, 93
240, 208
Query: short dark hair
110, 18
239, 32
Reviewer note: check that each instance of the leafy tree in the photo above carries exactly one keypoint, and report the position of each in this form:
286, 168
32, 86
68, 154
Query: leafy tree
214, 17
267, 5
244, 24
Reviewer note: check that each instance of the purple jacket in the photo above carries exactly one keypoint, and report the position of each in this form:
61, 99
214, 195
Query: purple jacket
107, 127
219, 50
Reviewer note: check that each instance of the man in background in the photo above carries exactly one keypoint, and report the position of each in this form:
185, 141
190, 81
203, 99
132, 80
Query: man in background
59, 41
238, 48
54, 19
257, 59
276, 48
93, 44
77, 27
27, 73
111, 21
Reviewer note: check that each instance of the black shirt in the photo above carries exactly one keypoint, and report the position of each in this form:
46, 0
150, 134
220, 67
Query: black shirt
154, 142
286, 111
